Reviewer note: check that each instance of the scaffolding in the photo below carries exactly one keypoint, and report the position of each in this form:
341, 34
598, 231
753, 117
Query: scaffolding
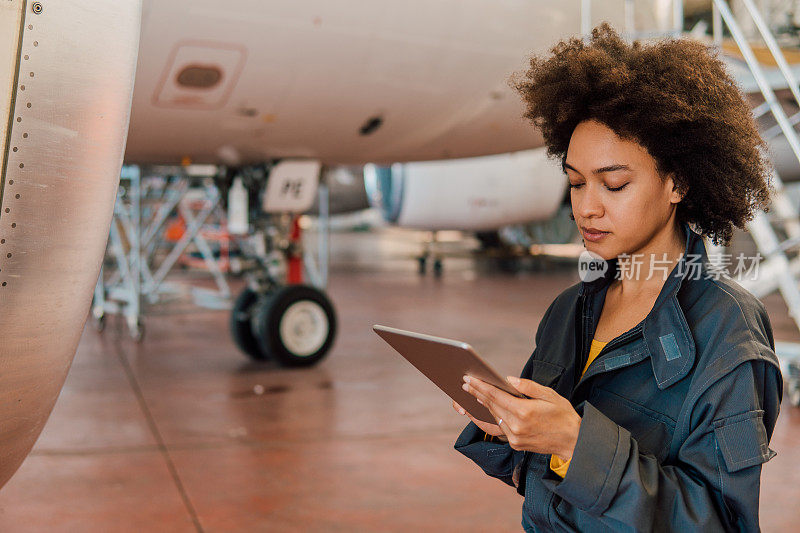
164, 215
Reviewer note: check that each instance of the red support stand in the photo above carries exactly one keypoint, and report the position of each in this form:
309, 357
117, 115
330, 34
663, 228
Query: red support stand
295, 254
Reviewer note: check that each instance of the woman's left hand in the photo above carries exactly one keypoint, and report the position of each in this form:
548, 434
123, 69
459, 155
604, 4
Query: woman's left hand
547, 423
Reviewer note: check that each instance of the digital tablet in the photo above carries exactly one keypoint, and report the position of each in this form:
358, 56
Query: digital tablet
445, 362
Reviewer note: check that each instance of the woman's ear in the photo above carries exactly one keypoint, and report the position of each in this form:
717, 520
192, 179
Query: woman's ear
676, 195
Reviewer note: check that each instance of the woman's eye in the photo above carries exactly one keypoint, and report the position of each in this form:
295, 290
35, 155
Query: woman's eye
613, 189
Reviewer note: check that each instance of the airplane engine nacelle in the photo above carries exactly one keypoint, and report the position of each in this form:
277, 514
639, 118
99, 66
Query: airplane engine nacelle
66, 78
476, 194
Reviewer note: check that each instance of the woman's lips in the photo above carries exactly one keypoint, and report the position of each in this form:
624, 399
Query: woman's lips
594, 237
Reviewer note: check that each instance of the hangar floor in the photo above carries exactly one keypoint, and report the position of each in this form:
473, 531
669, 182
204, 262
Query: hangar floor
174, 434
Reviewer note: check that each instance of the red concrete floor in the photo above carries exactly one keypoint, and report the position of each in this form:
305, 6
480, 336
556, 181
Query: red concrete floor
170, 435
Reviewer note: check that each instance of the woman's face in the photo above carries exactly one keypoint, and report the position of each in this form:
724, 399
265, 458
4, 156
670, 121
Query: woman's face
615, 188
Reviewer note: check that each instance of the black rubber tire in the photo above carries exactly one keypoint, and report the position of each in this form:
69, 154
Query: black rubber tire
422, 265
267, 318
241, 330
438, 268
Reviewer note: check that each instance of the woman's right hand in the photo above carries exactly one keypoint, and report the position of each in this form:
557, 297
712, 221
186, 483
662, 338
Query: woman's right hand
491, 429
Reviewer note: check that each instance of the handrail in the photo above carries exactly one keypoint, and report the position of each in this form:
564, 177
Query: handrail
758, 75
773, 47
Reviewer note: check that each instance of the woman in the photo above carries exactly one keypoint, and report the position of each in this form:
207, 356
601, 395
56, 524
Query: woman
653, 389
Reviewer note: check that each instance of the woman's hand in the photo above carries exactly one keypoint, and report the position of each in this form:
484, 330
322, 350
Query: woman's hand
547, 423
491, 429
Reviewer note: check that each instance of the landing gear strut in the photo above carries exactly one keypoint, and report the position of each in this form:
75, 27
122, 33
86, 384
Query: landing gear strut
278, 316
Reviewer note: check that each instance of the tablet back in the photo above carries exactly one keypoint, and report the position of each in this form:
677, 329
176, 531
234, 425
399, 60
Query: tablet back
444, 362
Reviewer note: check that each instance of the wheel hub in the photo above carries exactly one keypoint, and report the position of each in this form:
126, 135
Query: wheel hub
304, 328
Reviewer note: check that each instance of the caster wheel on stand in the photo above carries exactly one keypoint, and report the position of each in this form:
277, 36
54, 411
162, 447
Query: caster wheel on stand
136, 330
99, 323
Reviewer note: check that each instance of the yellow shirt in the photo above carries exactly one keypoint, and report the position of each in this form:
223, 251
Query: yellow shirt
557, 464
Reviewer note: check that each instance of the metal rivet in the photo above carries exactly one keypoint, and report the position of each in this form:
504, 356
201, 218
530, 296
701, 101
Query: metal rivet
35, 43
28, 105
17, 196
22, 165
24, 135
36, 8
14, 225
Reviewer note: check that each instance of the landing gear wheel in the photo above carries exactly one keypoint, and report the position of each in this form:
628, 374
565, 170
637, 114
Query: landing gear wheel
241, 330
437, 268
295, 325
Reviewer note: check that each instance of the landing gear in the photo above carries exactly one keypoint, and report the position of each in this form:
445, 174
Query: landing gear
427, 253
294, 324
422, 263
278, 316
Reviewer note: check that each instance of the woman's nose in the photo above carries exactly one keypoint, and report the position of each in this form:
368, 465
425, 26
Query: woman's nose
587, 202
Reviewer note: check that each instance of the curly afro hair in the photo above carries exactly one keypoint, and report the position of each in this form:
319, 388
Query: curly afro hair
674, 98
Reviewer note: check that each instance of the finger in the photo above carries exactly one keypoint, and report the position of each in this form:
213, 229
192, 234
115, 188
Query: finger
491, 429
497, 417
489, 394
502, 424
530, 388
498, 410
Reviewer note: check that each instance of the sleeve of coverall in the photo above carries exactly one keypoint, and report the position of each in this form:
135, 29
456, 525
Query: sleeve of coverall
496, 459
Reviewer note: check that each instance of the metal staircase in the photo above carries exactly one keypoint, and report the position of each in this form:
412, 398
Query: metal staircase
777, 233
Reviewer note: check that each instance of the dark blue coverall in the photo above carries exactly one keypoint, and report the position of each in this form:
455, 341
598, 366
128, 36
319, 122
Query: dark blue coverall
677, 412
